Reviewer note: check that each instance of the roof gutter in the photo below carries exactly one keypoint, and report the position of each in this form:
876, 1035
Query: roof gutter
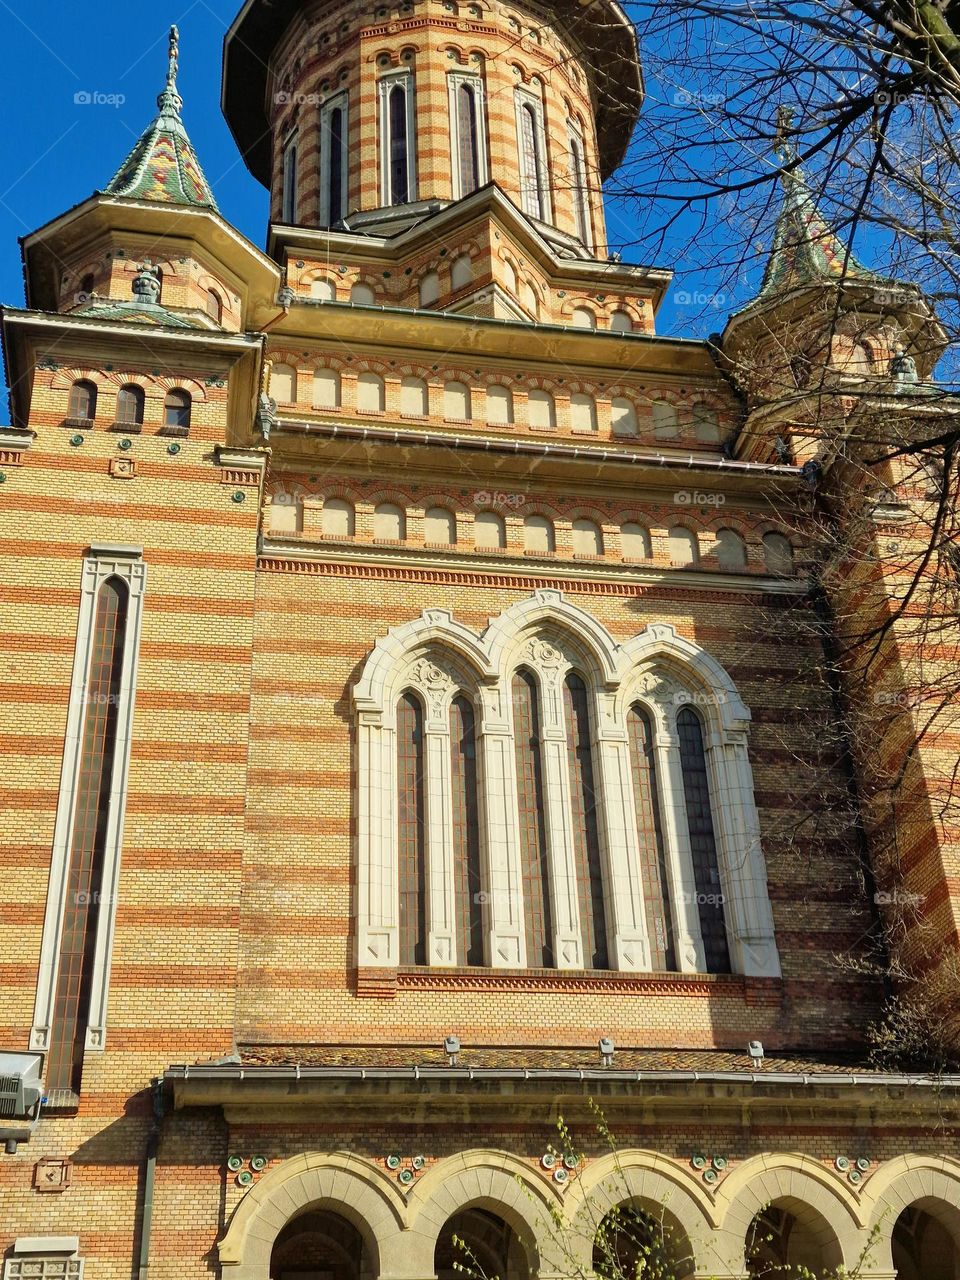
240, 1073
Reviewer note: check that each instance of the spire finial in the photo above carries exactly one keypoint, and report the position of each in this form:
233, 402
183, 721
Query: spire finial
170, 101
784, 146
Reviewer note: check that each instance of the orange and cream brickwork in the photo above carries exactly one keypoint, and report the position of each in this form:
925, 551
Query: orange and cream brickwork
406, 667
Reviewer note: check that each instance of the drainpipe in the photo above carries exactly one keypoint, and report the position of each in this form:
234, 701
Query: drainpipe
149, 1177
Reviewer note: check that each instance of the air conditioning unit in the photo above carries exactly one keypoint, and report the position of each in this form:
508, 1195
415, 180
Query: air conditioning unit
21, 1090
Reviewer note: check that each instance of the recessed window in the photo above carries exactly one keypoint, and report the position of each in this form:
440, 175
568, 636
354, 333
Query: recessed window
706, 427
682, 546
413, 398
82, 405
439, 526
623, 416
542, 410
489, 529
326, 389
288, 210
371, 397
283, 383
334, 158
538, 534
499, 406
621, 322
583, 412
214, 306
397, 138
362, 295
533, 156
583, 318
731, 550
665, 424
634, 541
338, 518
411, 831
389, 522
456, 402
429, 288
587, 538
131, 400
467, 133
322, 290
778, 555
177, 408
461, 272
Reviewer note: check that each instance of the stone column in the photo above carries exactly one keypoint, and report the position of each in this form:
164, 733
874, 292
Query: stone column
622, 883
679, 858
502, 877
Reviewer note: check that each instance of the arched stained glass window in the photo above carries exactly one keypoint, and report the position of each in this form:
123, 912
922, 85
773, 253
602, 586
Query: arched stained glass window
468, 138
398, 158
586, 832
411, 832
703, 845
538, 921
466, 833
534, 190
653, 870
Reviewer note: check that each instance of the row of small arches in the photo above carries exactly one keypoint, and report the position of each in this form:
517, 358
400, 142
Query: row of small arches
130, 406
338, 520
461, 276
500, 409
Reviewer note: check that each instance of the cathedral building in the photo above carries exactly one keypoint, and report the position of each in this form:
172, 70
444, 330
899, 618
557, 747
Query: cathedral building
410, 740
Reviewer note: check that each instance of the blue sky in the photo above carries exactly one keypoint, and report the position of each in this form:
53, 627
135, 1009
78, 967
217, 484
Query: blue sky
58, 147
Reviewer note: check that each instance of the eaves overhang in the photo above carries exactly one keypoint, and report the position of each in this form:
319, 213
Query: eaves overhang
263, 1090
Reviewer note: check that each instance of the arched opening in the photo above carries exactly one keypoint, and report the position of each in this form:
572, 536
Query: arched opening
583, 318
490, 1248
389, 523
371, 397
534, 853
583, 412
778, 555
456, 402
682, 546
634, 1240
703, 844
468, 139
489, 529
665, 423
787, 1240
461, 272
538, 534
82, 405
413, 398
177, 407
283, 383
362, 295
499, 405
621, 322
542, 410
326, 389
926, 1242
429, 288
731, 550
586, 827
131, 400
320, 1243
439, 527
322, 291
214, 306
411, 831
586, 538
338, 519
623, 416
634, 541
466, 832
650, 839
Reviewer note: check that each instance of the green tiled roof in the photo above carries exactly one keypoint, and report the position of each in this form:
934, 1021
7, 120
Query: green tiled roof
163, 165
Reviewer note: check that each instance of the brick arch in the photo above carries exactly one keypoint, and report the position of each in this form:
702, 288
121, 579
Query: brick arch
622, 304
582, 303
126, 378
640, 1177
587, 388
176, 382
493, 1180
584, 511
340, 1182
931, 1183
64, 379
817, 1198
321, 273
323, 361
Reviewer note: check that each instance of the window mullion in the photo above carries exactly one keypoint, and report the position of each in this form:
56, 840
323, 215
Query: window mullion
438, 797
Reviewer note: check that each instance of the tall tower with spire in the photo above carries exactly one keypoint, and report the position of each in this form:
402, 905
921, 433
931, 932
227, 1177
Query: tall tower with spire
414, 740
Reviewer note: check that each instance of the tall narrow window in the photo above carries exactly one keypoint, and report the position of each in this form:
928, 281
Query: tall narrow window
467, 133
578, 189
466, 833
533, 833
532, 157
214, 306
653, 867
411, 832
333, 160
82, 406
703, 845
94, 794
288, 210
586, 833
397, 139
130, 405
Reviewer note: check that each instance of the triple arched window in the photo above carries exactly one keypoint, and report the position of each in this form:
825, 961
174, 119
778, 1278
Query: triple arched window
540, 797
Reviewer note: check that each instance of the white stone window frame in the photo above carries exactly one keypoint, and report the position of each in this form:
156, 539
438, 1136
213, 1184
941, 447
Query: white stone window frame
523, 96
474, 80
339, 101
100, 563
44, 1258
290, 181
405, 77
580, 188
438, 657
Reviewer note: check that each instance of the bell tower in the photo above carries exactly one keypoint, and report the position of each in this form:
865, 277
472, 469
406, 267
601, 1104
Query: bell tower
372, 116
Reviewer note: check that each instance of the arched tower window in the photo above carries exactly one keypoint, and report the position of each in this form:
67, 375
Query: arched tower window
214, 306
466, 833
130, 405
653, 866
586, 833
703, 845
82, 405
578, 188
333, 160
177, 407
533, 160
467, 133
411, 831
398, 184
288, 208
534, 854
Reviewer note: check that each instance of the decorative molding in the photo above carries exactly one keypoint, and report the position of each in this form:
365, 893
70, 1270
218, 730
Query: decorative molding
233, 476
724, 986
